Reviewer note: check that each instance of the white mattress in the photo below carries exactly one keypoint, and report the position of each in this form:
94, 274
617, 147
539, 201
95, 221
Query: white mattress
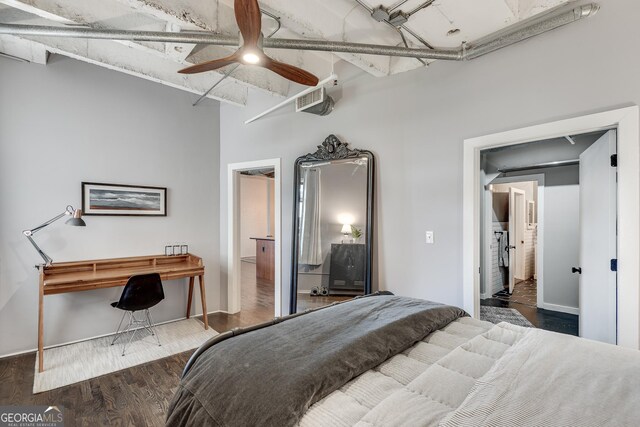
420, 386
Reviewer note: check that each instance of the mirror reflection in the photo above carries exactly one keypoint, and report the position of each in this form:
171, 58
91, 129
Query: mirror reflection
332, 234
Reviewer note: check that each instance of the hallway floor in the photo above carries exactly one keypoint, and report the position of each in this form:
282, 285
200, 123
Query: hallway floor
523, 299
525, 292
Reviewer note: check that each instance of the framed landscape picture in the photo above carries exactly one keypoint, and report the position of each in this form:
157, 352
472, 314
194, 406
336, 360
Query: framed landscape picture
127, 200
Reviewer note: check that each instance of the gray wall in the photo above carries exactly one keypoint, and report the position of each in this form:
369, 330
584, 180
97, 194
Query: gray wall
70, 122
416, 123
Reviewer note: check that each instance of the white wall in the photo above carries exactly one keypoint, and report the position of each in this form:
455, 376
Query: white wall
415, 123
70, 122
254, 211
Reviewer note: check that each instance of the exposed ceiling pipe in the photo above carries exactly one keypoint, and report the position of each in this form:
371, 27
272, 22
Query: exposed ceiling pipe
420, 7
531, 27
526, 29
397, 27
223, 40
15, 58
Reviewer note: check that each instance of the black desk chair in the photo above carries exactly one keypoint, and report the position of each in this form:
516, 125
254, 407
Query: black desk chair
140, 293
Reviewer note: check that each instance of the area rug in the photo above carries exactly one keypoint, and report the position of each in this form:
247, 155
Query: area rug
500, 314
81, 361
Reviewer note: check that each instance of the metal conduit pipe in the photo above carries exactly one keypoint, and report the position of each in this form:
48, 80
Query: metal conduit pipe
420, 7
362, 48
529, 28
404, 27
222, 40
526, 29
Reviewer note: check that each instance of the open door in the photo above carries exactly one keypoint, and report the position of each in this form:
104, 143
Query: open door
516, 236
598, 240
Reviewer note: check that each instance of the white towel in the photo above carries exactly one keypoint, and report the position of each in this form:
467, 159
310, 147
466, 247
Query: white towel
503, 249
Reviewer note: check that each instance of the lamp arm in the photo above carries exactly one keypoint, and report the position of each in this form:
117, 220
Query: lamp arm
28, 233
47, 259
68, 211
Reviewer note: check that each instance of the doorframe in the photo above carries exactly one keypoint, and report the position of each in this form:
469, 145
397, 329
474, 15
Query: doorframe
627, 122
233, 239
539, 178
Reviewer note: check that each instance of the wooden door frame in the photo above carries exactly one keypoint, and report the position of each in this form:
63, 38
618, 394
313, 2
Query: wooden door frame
233, 240
627, 122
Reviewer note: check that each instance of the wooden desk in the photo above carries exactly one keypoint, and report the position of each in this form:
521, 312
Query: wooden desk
79, 276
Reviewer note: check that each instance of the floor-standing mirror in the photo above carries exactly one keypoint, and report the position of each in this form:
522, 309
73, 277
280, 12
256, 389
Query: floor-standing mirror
332, 225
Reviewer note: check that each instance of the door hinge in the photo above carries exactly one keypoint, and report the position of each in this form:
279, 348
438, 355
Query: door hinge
614, 265
614, 160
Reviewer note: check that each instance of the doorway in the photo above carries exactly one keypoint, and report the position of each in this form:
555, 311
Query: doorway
578, 174
254, 239
626, 122
257, 242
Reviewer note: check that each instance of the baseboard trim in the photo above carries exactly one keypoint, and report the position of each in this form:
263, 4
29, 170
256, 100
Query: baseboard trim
33, 350
561, 308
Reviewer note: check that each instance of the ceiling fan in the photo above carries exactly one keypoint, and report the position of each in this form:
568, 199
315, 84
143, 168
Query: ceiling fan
249, 21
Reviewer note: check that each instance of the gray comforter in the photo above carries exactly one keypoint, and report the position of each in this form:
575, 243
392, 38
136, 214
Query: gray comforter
270, 377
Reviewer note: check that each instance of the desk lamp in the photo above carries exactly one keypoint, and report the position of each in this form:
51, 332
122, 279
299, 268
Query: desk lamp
75, 220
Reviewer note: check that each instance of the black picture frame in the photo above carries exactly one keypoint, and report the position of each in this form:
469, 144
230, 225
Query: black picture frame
147, 197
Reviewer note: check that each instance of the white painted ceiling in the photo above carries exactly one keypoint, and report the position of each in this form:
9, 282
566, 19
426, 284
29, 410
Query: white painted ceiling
344, 20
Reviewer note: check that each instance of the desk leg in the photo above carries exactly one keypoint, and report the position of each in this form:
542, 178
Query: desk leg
41, 326
191, 280
203, 297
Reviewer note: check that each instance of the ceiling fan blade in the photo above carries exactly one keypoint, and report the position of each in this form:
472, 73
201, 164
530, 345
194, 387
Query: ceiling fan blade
249, 20
290, 72
210, 65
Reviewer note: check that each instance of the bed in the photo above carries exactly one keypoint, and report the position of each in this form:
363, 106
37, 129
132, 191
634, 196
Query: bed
385, 360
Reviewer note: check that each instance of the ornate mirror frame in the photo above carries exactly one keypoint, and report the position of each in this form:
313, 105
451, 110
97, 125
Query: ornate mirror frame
332, 149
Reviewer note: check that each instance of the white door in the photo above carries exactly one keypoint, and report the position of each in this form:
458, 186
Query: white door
598, 200
516, 235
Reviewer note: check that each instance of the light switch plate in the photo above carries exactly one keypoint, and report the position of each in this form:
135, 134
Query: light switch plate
429, 237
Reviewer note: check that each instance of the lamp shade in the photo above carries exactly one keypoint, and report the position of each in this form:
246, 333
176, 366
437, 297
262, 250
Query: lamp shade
346, 229
76, 220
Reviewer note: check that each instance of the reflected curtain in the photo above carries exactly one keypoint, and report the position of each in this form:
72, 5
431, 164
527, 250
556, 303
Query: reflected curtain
310, 242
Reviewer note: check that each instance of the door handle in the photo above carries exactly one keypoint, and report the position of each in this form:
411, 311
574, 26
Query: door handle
576, 270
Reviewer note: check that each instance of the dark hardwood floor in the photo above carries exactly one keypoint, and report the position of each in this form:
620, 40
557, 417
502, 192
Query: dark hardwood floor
137, 396
307, 302
523, 299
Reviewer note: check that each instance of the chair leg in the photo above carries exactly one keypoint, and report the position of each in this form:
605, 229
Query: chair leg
132, 321
118, 333
153, 327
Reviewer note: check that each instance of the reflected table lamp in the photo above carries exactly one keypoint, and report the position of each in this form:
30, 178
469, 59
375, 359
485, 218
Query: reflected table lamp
75, 220
346, 230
